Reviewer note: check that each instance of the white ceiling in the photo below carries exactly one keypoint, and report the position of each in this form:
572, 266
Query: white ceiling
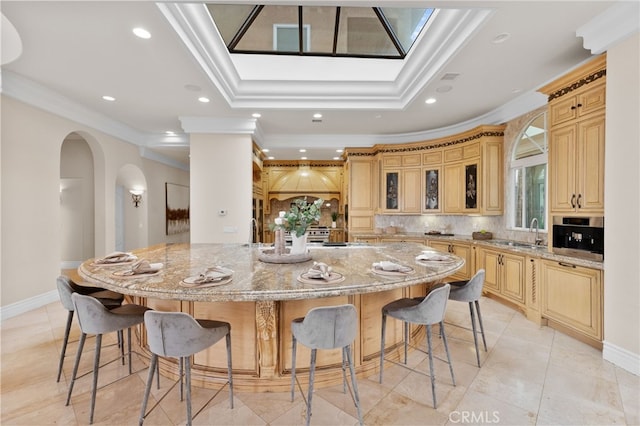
73, 53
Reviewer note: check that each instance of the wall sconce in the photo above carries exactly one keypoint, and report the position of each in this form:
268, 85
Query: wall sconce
136, 196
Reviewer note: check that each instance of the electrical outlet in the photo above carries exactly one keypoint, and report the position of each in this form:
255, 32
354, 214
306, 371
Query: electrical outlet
230, 229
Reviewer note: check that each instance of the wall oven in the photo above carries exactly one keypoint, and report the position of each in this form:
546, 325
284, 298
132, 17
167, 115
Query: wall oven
579, 237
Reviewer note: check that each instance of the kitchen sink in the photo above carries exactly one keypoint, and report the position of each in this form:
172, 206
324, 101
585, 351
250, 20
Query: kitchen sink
518, 244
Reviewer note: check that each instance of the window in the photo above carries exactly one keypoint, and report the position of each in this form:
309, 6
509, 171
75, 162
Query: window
529, 174
285, 38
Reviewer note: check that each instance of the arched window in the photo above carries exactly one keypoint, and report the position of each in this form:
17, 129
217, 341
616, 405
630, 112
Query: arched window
529, 174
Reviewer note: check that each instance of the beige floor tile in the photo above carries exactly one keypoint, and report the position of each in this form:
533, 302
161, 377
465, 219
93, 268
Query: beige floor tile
530, 374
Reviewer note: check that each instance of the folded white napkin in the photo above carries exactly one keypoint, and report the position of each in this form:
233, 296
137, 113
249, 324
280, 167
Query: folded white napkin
143, 266
117, 257
319, 270
431, 257
215, 273
386, 265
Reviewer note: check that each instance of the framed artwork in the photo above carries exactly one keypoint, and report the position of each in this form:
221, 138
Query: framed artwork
392, 191
431, 189
471, 190
177, 208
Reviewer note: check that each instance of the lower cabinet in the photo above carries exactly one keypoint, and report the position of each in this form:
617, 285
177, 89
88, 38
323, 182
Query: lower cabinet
465, 251
336, 236
504, 274
572, 297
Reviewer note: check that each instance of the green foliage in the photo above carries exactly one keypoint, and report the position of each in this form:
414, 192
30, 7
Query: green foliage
334, 216
301, 215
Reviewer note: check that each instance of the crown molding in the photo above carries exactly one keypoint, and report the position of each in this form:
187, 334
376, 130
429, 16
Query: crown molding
322, 82
610, 27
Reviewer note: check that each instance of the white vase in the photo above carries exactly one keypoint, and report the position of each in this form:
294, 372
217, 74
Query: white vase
298, 244
334, 224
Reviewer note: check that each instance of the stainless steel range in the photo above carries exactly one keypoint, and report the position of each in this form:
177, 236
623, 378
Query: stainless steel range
316, 234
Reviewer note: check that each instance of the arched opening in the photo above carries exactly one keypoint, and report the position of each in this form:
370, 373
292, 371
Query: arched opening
77, 201
130, 209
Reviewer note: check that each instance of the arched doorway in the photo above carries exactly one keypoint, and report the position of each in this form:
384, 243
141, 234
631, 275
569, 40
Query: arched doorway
131, 209
77, 201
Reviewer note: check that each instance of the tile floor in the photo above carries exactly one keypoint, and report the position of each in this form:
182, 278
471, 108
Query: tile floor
530, 375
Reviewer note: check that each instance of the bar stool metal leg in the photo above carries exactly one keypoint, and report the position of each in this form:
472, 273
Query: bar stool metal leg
484, 341
65, 341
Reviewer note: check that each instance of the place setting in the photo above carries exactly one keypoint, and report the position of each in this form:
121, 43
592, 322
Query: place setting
388, 268
211, 277
431, 257
117, 258
139, 269
320, 273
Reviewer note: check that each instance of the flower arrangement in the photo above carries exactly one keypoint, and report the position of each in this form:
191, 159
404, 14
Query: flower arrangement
300, 216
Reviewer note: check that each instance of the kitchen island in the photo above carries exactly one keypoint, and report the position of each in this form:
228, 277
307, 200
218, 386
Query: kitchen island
262, 298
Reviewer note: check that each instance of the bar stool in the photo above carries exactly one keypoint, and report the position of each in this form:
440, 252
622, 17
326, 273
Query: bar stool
326, 327
420, 310
66, 287
471, 292
94, 318
179, 335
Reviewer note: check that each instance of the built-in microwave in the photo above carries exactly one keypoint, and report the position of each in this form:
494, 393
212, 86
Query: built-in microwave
579, 236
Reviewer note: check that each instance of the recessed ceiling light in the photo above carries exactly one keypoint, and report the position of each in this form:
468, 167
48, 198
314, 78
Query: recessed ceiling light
170, 133
271, 158
444, 89
256, 115
500, 38
303, 150
336, 158
317, 115
108, 98
339, 150
303, 158
430, 101
142, 33
265, 149
203, 99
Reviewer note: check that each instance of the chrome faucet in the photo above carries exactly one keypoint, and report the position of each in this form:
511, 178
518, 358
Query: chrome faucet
534, 221
253, 225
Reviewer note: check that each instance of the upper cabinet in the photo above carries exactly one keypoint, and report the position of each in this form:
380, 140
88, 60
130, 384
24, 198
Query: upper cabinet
461, 174
577, 140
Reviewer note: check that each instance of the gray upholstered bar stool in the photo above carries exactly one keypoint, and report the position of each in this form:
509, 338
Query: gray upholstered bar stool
471, 292
427, 311
327, 327
94, 318
179, 335
66, 287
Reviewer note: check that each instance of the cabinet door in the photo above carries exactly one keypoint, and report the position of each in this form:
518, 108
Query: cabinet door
572, 296
391, 194
453, 188
489, 260
411, 191
562, 169
432, 199
563, 110
590, 168
512, 285
592, 100
492, 170
466, 252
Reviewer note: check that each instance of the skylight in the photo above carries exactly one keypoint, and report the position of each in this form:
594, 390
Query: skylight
362, 32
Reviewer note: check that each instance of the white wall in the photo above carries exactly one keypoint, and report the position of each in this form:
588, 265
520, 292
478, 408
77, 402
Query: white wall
622, 207
31, 141
221, 173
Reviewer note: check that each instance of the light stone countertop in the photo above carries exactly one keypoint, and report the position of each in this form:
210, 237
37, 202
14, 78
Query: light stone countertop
254, 280
540, 252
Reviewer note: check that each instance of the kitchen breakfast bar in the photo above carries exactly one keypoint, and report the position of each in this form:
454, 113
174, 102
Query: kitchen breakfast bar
262, 298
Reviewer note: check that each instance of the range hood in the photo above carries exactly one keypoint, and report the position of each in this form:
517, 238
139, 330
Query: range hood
303, 181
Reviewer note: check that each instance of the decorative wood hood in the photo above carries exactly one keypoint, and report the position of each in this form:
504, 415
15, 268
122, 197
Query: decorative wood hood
299, 180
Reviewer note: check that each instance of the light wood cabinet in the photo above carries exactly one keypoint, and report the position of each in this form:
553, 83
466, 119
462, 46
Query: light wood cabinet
465, 251
577, 140
576, 166
504, 274
336, 236
362, 196
402, 191
571, 295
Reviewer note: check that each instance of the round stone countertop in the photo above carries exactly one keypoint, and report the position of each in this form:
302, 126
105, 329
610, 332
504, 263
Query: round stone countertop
254, 280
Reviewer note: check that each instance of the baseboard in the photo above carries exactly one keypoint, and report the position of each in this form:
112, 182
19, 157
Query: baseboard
27, 305
621, 357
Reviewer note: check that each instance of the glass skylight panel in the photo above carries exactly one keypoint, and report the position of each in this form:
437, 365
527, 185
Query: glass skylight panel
326, 30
